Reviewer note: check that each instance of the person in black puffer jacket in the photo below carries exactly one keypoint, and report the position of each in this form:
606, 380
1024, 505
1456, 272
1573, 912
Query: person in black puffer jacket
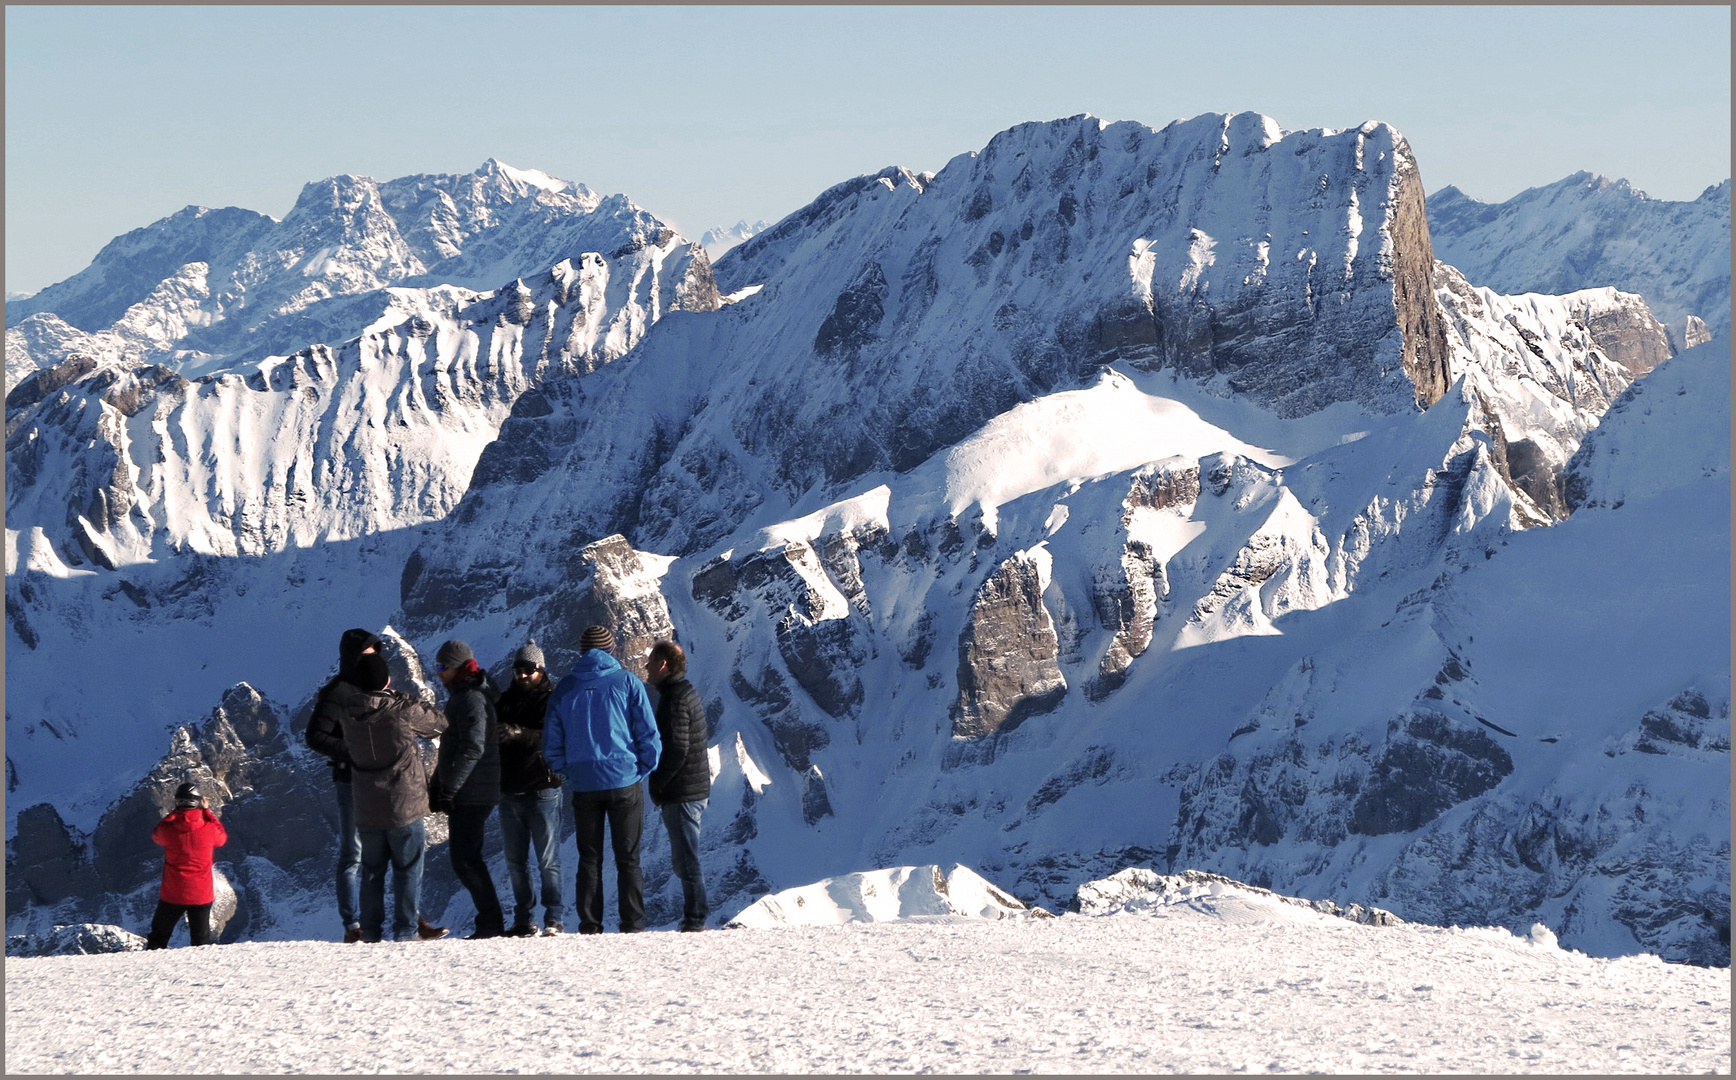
466, 784
681, 783
530, 795
338, 699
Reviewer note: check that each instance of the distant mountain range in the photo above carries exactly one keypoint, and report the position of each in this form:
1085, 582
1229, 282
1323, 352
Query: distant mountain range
717, 241
1110, 497
1589, 231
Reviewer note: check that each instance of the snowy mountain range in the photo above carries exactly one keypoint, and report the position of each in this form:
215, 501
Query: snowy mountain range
206, 291
719, 240
1586, 231
1110, 497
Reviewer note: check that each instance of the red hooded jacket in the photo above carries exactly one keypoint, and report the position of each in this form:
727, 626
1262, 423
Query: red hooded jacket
188, 838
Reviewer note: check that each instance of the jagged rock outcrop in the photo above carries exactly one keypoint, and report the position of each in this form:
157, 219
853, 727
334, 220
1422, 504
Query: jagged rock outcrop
1007, 670
613, 585
1137, 889
46, 861
81, 939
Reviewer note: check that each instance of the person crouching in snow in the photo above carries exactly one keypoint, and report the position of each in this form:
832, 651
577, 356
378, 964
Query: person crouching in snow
189, 836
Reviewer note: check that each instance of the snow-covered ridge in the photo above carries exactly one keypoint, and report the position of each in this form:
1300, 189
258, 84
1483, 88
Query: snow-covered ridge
1588, 231
124, 462
203, 290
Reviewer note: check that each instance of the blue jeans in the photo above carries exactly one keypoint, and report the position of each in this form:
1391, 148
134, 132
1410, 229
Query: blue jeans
402, 847
349, 857
624, 811
682, 821
531, 822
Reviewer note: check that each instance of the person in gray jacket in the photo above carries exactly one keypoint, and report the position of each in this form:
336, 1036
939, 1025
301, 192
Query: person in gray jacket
390, 792
466, 783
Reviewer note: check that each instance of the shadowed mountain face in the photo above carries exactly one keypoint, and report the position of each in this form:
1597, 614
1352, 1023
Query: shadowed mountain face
1112, 496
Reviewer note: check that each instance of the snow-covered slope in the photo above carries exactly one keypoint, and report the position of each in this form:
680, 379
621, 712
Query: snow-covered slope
1233, 982
1111, 497
1588, 232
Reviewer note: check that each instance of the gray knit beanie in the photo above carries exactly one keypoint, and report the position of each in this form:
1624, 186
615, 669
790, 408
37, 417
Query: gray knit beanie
529, 654
453, 653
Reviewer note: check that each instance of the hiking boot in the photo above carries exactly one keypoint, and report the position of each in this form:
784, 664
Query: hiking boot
692, 928
352, 935
522, 929
480, 934
426, 932
553, 930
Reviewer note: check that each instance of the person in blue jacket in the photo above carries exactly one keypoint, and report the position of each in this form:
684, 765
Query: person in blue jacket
601, 735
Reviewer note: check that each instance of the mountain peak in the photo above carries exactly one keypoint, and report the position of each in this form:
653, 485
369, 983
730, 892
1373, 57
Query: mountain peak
527, 178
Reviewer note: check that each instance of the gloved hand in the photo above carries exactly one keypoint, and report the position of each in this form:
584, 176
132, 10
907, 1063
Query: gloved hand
439, 799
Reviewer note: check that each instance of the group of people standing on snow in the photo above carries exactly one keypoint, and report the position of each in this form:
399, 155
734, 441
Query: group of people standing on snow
595, 734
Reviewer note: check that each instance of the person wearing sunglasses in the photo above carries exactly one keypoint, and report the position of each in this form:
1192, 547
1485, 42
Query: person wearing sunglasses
530, 796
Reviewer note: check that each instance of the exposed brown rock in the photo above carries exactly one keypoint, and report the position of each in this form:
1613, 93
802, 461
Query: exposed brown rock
1007, 654
1426, 351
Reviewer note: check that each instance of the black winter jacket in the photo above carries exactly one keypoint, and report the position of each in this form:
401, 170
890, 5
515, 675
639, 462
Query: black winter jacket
397, 794
468, 768
683, 772
325, 728
521, 710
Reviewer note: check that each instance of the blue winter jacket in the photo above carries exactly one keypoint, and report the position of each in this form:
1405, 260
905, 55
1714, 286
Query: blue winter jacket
599, 731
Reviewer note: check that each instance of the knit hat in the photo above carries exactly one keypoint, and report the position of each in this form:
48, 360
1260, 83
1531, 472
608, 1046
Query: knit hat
187, 797
529, 654
597, 637
453, 654
372, 672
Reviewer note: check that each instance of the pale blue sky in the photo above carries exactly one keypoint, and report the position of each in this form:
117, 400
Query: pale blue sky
118, 116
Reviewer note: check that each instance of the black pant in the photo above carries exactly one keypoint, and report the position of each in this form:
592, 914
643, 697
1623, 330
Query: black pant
624, 809
467, 824
168, 916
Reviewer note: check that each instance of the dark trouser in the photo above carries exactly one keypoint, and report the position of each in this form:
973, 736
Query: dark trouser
682, 821
168, 916
531, 822
402, 847
624, 809
467, 824
349, 869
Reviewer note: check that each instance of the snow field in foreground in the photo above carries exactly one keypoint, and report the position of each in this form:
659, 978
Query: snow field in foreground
1213, 985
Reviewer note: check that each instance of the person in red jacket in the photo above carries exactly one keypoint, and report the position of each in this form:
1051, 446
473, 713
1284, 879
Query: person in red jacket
189, 835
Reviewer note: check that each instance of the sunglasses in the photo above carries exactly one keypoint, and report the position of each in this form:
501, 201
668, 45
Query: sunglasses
525, 669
